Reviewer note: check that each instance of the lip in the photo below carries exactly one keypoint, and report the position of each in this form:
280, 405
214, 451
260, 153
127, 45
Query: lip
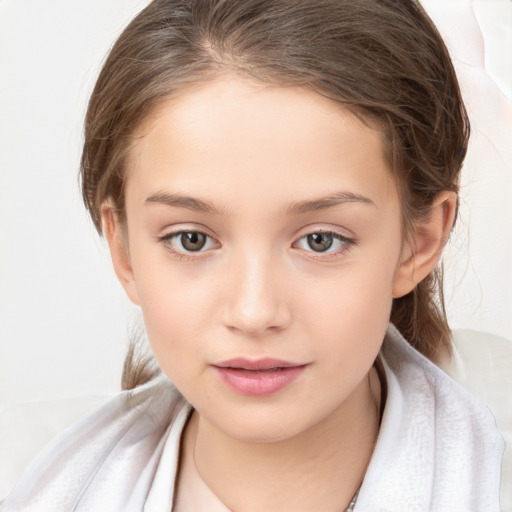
261, 377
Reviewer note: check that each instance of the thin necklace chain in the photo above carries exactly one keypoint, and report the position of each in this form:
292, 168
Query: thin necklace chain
352, 503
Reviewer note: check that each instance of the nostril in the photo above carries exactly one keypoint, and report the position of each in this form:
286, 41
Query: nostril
257, 323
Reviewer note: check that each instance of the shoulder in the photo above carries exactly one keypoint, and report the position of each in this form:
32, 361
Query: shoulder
481, 363
446, 386
438, 447
116, 447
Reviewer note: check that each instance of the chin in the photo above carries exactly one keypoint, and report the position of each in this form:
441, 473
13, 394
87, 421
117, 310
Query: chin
267, 426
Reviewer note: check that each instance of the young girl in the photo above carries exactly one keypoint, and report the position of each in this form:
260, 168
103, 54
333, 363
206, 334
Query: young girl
276, 182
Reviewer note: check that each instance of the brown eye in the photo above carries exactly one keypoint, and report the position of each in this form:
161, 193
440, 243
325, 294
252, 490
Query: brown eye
193, 240
325, 244
320, 242
188, 244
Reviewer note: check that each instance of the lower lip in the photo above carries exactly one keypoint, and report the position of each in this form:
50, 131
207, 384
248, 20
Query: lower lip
260, 382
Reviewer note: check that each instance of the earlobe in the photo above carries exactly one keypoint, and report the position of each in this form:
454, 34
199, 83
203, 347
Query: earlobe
118, 245
427, 245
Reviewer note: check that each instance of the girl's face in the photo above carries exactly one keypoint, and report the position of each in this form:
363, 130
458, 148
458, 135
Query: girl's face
264, 238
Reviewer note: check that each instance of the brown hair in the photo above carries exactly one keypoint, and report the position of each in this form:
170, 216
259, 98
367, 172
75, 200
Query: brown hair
382, 59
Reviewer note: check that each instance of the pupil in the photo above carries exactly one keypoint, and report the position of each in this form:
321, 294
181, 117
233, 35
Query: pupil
320, 242
193, 241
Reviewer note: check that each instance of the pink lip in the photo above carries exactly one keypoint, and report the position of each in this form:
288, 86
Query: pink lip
258, 378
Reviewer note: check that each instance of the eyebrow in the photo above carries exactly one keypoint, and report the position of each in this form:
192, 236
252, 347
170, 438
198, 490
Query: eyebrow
179, 201
323, 203
294, 208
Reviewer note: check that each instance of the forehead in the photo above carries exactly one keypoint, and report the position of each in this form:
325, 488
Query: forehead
276, 142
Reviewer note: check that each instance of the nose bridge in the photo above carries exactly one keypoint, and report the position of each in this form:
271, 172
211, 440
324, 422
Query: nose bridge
257, 298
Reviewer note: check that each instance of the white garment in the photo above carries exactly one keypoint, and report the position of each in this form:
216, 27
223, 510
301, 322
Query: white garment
438, 450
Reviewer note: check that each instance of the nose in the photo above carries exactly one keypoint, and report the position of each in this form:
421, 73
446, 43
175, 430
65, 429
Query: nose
258, 302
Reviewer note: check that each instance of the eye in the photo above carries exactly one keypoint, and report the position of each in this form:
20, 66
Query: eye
192, 240
324, 242
187, 242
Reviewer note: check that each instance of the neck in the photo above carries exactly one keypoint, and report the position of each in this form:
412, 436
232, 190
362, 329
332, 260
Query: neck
325, 464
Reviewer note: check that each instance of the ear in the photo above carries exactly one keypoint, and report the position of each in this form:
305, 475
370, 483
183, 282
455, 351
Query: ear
117, 240
427, 245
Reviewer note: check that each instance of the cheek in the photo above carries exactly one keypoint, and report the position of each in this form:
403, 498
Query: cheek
353, 306
179, 304
350, 310
170, 311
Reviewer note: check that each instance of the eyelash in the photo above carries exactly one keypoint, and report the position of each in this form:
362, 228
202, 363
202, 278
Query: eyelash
346, 242
182, 255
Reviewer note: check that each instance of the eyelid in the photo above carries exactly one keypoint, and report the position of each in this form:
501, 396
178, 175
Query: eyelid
185, 227
326, 228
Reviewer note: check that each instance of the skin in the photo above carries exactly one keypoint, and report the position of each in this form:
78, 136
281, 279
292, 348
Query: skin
273, 165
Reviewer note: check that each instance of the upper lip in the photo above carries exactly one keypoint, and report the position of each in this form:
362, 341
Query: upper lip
266, 363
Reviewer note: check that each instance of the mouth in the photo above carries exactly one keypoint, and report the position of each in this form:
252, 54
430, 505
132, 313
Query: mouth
260, 377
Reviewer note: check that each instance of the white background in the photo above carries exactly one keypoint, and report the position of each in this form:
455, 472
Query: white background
64, 320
